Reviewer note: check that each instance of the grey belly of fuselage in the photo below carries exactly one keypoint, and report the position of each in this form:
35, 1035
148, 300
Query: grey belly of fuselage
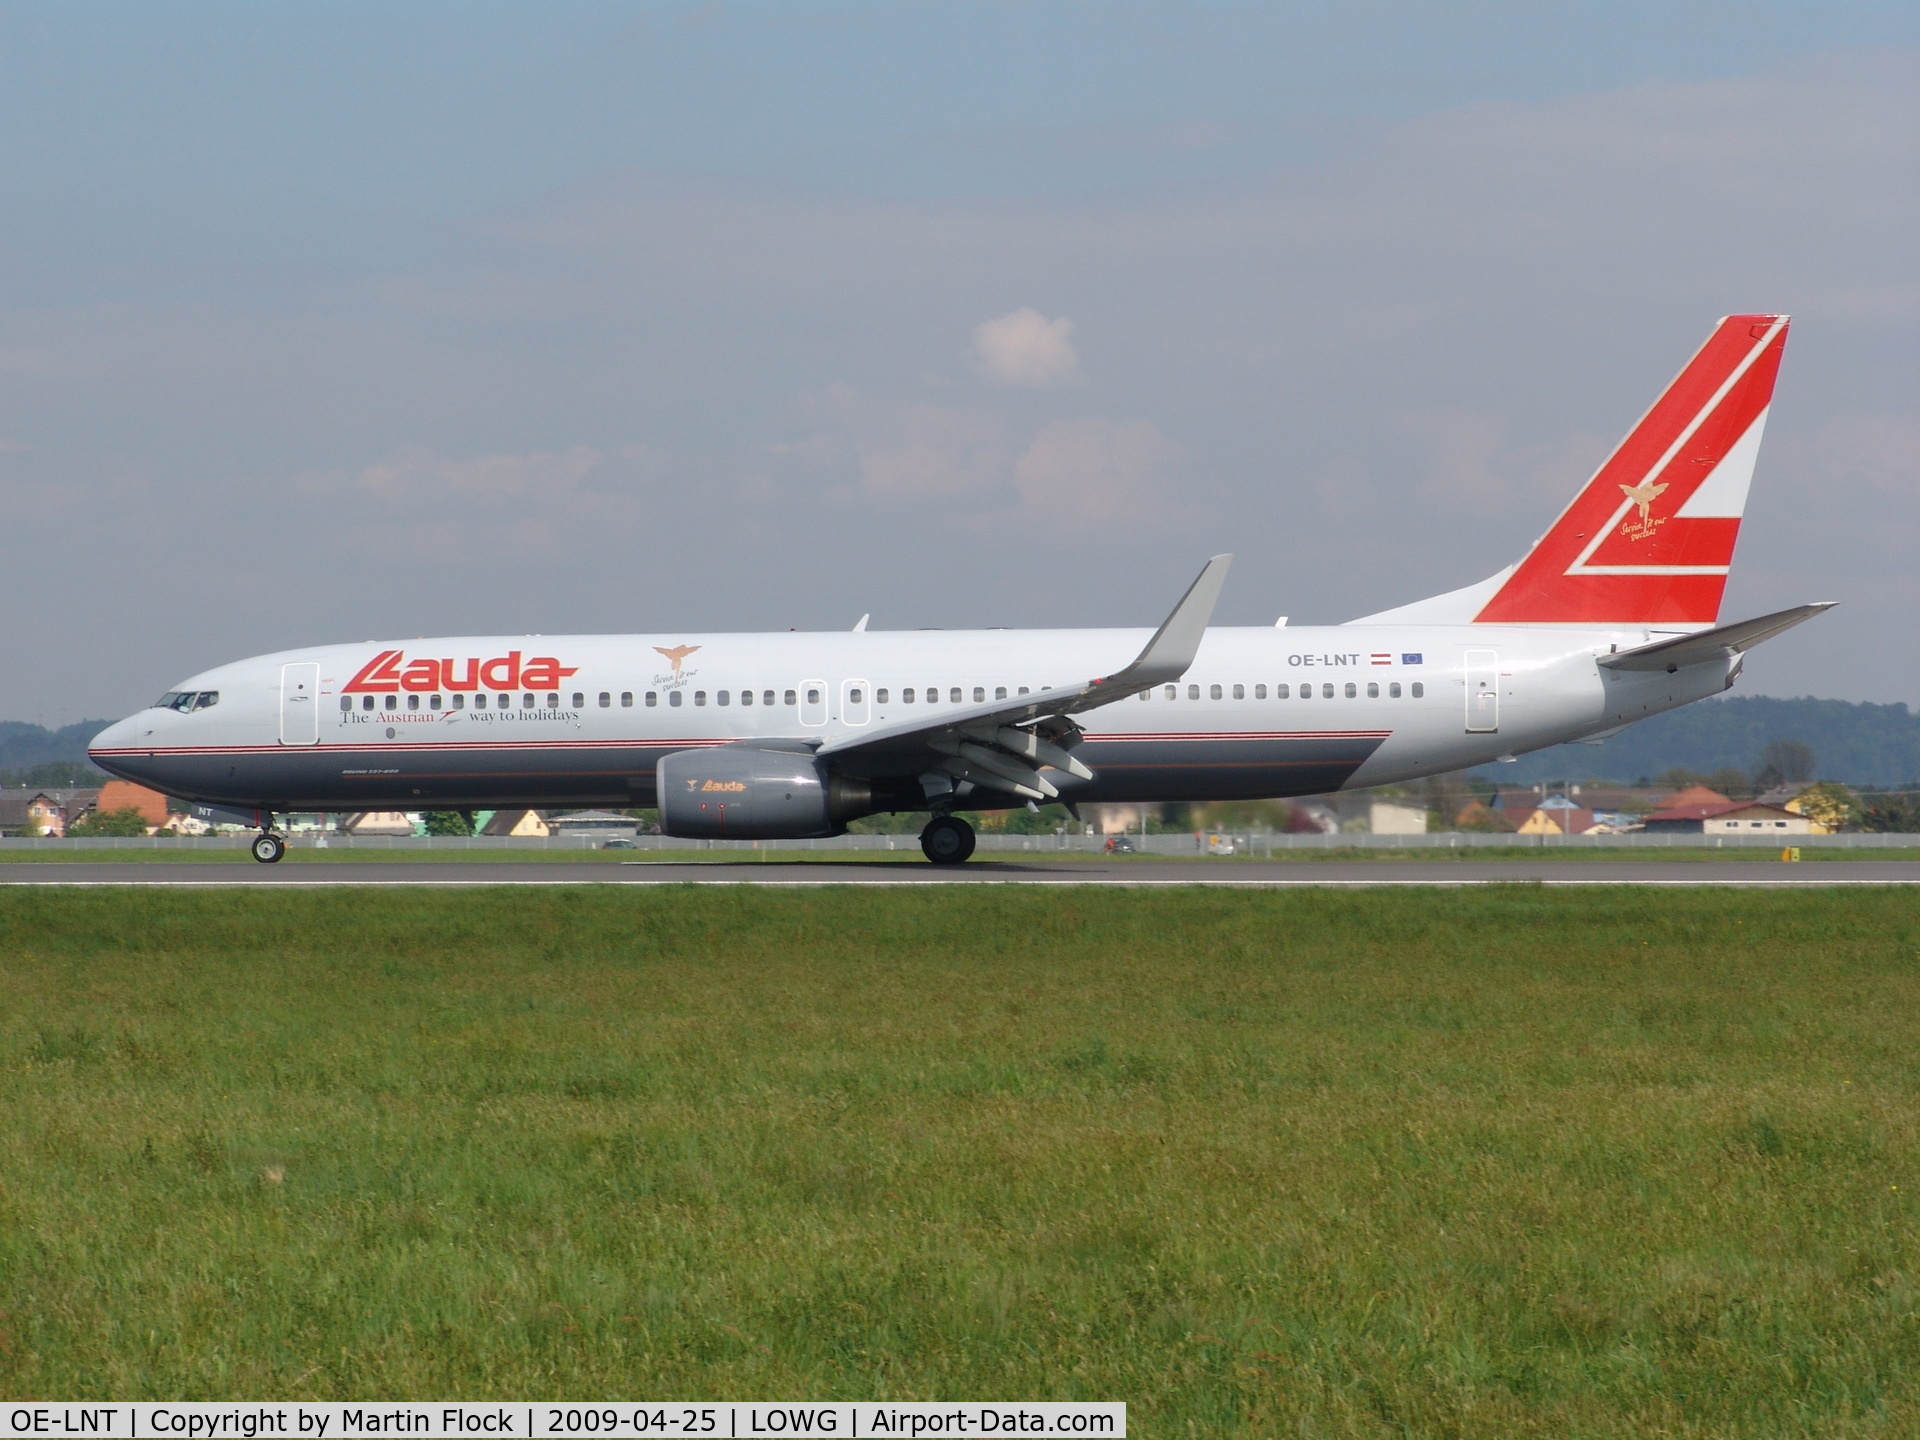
355, 778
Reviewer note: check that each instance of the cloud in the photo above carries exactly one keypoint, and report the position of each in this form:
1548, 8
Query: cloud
1388, 360
1027, 349
418, 477
1091, 473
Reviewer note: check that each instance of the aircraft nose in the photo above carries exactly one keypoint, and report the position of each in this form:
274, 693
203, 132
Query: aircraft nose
116, 736
121, 736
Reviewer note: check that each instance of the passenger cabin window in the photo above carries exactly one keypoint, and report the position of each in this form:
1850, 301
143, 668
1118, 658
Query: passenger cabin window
1393, 691
346, 703
746, 697
1172, 690
1373, 691
906, 696
553, 702
1023, 689
953, 696
527, 702
606, 699
725, 697
503, 702
393, 702
1239, 692
999, 692
1193, 692
479, 702
579, 701
366, 702
1326, 691
979, 694
791, 698
1282, 692
813, 697
1213, 692
1259, 692
459, 702
413, 702
1418, 689
676, 698
880, 697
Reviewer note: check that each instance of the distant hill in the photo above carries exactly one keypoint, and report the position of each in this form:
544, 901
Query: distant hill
25, 747
1859, 744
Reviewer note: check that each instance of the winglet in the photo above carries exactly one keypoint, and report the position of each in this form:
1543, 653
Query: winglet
1169, 654
860, 625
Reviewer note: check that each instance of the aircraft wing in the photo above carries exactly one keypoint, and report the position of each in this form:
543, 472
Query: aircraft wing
1005, 745
1715, 644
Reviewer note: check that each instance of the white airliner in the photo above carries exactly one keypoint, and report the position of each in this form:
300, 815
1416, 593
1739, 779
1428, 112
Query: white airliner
1610, 617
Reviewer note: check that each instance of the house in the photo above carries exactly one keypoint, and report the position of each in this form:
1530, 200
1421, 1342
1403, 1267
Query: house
1384, 817
31, 810
1730, 817
1480, 817
1550, 818
516, 822
1116, 819
125, 795
378, 822
1695, 795
592, 822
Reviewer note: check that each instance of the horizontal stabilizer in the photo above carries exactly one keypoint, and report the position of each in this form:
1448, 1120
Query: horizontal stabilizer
1718, 644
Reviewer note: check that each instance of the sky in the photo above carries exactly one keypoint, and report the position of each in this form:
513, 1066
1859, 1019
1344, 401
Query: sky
343, 322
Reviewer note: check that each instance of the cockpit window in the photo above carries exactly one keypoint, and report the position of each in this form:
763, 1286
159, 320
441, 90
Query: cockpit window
185, 700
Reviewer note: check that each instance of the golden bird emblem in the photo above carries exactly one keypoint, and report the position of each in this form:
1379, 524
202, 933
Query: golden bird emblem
1643, 495
675, 655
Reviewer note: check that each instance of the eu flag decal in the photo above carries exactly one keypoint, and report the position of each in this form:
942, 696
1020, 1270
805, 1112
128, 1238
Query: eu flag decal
1413, 659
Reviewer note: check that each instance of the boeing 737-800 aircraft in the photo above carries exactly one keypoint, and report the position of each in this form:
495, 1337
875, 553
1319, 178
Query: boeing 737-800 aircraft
1610, 617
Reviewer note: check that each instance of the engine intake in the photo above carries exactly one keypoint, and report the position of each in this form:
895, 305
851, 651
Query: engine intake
740, 793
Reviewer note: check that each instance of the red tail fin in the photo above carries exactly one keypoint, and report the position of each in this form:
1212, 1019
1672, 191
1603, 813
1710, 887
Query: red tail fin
1650, 539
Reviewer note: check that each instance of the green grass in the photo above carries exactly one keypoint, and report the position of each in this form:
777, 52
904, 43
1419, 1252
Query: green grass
1507, 1162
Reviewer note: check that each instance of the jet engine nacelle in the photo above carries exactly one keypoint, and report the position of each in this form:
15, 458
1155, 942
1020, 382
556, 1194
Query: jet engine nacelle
734, 792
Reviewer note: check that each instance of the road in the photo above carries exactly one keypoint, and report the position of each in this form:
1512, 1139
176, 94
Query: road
1242, 874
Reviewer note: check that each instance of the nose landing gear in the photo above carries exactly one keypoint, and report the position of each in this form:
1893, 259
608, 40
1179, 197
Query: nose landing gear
947, 840
268, 847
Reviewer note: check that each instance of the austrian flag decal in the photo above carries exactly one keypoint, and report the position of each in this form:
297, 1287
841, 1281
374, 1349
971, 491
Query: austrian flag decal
391, 670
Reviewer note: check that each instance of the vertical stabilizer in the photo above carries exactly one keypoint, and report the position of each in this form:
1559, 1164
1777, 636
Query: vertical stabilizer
1649, 540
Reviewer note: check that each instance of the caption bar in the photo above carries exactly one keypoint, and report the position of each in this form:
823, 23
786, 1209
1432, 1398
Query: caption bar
649, 1419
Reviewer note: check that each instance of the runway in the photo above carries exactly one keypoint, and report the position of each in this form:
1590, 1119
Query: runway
1145, 873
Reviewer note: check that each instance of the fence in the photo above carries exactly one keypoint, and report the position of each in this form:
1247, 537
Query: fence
1254, 843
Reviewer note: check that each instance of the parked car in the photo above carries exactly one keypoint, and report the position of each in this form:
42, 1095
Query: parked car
1120, 845
618, 845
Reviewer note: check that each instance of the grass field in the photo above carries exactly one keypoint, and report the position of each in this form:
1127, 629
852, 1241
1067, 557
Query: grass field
1519, 1161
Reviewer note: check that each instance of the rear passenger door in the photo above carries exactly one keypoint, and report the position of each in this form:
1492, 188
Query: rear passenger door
1483, 692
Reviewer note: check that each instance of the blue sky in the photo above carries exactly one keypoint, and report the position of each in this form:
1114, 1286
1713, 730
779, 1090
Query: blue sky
386, 320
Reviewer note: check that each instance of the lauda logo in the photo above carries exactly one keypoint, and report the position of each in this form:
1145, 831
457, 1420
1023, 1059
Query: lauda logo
385, 672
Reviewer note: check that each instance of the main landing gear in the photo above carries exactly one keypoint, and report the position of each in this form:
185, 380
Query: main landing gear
947, 840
